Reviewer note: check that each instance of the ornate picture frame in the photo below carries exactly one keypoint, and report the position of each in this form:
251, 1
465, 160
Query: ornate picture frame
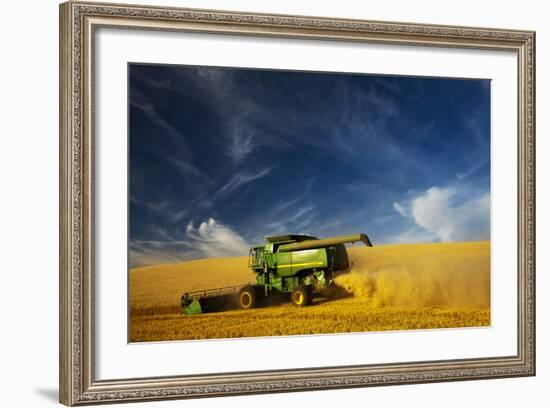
79, 22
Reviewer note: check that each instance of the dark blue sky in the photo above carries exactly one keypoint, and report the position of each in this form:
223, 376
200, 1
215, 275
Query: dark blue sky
222, 157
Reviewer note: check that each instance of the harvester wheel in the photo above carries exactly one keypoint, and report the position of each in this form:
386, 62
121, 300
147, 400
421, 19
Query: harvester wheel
247, 297
302, 296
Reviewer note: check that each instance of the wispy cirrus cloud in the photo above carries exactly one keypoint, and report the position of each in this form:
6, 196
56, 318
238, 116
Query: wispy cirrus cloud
475, 168
403, 210
144, 253
229, 187
296, 219
240, 115
240, 148
243, 140
168, 132
174, 147
243, 177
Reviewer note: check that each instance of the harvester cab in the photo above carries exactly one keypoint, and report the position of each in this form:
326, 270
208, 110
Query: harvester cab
300, 265
255, 257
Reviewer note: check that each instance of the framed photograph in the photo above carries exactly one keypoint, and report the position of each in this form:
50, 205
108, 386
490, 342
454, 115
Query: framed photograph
256, 203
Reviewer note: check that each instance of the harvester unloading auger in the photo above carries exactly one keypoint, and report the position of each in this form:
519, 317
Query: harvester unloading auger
301, 265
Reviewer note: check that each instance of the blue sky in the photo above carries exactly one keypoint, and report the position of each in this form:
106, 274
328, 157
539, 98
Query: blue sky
221, 158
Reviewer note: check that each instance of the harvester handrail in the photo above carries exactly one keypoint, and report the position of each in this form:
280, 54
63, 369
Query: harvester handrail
226, 290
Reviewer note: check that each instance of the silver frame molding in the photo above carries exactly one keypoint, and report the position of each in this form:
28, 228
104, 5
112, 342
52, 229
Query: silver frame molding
78, 22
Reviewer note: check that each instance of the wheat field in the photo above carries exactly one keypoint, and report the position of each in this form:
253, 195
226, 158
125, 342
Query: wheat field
392, 287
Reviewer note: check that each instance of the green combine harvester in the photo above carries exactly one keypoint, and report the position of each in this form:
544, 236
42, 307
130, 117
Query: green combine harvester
301, 265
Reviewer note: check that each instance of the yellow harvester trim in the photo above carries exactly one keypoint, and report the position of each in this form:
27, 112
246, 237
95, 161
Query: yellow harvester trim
300, 264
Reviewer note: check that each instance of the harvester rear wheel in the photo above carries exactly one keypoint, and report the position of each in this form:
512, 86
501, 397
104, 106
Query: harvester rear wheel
248, 297
302, 296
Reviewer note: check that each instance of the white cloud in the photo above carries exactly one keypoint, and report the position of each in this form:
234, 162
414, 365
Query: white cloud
210, 239
445, 213
214, 239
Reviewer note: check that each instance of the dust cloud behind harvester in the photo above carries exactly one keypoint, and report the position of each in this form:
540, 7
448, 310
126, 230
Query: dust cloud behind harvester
421, 275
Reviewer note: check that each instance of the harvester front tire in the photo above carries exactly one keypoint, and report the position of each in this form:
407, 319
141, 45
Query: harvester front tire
302, 296
248, 297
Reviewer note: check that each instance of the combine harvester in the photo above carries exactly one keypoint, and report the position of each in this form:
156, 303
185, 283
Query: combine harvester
301, 265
